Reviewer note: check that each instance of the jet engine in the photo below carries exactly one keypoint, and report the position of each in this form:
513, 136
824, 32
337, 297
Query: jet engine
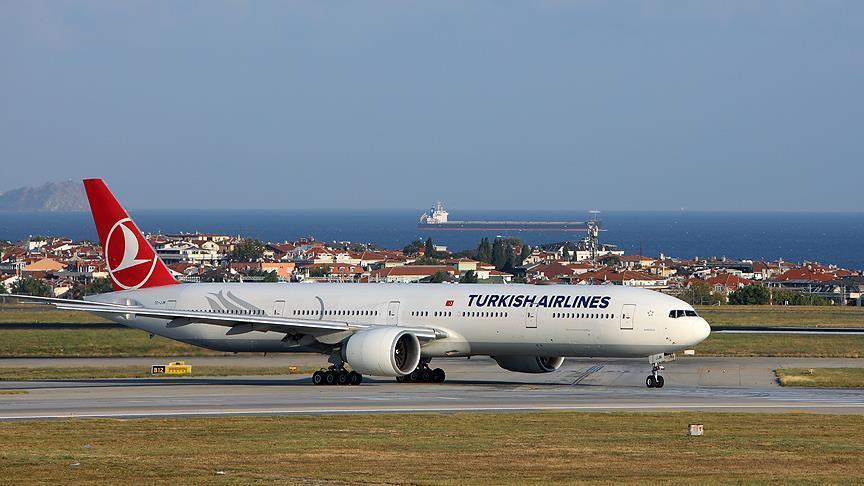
529, 364
382, 351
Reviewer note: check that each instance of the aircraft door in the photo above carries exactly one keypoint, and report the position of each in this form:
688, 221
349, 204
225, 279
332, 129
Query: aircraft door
393, 313
627, 315
278, 307
530, 318
170, 304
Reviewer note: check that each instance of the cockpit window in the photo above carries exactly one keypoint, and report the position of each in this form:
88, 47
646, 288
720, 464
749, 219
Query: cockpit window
674, 314
690, 313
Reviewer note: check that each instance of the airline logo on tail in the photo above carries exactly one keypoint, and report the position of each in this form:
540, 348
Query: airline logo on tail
126, 255
131, 261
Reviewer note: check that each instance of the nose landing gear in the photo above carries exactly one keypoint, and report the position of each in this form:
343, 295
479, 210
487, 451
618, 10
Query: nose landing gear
655, 380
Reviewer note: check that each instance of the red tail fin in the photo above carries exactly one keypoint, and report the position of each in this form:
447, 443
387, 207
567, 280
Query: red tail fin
130, 259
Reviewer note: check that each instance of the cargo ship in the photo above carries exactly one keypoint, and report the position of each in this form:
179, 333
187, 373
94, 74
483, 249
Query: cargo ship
438, 219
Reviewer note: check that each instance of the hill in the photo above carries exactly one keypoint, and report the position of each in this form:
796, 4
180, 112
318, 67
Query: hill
53, 196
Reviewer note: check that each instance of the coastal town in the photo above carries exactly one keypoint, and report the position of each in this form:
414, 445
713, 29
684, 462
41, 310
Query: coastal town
60, 267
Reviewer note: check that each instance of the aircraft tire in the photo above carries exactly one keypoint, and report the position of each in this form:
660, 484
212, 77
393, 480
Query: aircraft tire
650, 382
438, 375
342, 377
426, 376
318, 377
355, 378
330, 377
659, 382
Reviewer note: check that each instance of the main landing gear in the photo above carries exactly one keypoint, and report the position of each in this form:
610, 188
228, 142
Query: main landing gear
423, 374
336, 376
655, 380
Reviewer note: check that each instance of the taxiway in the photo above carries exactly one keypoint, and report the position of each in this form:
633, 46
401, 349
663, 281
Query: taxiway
695, 384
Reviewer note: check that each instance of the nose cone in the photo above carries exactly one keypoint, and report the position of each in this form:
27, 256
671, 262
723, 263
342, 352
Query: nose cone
701, 330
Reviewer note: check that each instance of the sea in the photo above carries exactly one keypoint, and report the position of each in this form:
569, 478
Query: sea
828, 238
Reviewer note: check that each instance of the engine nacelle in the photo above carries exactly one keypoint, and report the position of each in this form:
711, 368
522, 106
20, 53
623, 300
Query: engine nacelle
529, 364
382, 351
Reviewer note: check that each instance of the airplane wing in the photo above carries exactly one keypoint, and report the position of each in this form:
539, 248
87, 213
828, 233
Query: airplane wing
238, 323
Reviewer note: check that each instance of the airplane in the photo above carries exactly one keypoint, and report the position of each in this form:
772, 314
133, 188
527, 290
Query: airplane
391, 330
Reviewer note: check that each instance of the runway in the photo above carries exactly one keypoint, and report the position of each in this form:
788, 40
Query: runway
477, 385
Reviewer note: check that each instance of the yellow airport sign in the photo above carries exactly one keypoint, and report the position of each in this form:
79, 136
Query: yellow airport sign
173, 368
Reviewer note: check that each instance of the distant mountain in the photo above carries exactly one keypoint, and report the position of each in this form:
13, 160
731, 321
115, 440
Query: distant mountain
53, 196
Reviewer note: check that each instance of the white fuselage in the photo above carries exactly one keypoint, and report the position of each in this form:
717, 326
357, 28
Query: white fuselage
495, 320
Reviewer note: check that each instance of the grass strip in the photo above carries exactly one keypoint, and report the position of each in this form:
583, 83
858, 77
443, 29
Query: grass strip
92, 343
35, 314
785, 345
514, 448
778, 315
84, 373
822, 377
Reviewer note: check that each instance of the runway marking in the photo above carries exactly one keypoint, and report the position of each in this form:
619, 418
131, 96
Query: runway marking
338, 411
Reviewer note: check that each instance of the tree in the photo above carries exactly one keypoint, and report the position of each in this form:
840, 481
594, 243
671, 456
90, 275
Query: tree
413, 248
699, 293
610, 260
791, 297
499, 257
525, 253
32, 286
264, 275
484, 251
214, 275
429, 248
247, 251
469, 277
319, 271
502, 256
439, 277
425, 260
750, 295
98, 286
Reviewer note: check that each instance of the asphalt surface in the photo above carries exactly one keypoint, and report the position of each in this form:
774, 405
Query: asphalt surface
696, 384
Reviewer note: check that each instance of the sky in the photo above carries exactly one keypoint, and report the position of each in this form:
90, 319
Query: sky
624, 105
